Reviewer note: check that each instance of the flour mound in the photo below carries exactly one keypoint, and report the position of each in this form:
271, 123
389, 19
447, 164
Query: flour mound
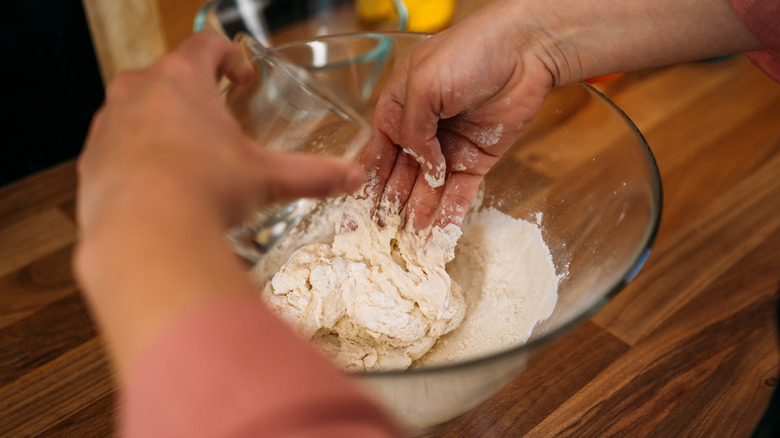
509, 284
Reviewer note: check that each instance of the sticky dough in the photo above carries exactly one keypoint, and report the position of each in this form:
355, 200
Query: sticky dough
375, 297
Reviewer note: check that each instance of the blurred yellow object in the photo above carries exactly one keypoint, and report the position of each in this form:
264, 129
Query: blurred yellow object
375, 10
429, 15
424, 15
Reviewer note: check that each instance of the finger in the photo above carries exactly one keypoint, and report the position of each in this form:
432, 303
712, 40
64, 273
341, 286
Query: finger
377, 159
398, 188
421, 115
458, 194
407, 90
463, 155
215, 56
283, 177
423, 205
466, 163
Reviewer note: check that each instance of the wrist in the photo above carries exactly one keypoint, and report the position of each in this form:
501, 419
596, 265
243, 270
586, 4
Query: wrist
578, 39
539, 35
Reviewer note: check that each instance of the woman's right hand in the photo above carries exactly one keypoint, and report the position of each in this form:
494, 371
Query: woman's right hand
455, 104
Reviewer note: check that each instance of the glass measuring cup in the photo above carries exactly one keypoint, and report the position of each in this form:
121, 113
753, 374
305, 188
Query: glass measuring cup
279, 22
284, 109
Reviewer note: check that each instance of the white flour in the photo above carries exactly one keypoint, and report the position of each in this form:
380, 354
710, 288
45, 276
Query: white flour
509, 283
502, 265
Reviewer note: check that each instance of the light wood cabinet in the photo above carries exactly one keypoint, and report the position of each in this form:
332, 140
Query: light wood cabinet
133, 33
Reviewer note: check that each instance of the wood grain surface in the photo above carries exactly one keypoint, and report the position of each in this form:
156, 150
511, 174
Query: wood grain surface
690, 348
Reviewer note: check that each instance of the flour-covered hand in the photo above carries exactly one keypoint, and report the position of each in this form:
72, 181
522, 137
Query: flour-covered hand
456, 103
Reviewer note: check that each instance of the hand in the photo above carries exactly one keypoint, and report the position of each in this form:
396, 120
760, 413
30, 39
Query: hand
167, 124
456, 103
164, 173
460, 99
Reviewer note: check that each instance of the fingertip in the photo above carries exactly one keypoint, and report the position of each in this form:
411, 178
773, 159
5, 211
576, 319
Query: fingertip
354, 176
450, 214
290, 176
458, 196
345, 177
240, 69
423, 204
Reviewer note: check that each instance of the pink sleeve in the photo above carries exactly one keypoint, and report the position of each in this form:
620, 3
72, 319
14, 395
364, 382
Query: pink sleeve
235, 370
762, 18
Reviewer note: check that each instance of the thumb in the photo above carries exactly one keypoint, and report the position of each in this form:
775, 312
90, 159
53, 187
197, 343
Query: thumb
284, 177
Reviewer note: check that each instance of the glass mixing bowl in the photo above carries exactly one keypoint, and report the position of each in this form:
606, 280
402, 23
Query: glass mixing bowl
582, 164
279, 22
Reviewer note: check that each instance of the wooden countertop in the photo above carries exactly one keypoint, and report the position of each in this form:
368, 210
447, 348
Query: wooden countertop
688, 349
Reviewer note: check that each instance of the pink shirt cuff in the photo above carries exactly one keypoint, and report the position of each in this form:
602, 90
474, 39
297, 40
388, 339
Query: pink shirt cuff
235, 370
762, 18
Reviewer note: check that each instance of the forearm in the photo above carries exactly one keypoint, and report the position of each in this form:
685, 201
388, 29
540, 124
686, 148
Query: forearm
578, 39
234, 369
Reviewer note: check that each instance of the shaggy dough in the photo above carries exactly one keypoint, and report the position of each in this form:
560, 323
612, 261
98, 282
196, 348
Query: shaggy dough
376, 298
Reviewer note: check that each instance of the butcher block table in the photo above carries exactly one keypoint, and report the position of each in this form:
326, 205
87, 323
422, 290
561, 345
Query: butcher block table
690, 348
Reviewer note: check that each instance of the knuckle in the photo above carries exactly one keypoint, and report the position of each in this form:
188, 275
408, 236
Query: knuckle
174, 66
122, 86
210, 40
420, 84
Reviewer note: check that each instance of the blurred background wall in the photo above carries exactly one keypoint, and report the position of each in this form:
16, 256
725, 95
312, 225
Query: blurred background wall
51, 85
